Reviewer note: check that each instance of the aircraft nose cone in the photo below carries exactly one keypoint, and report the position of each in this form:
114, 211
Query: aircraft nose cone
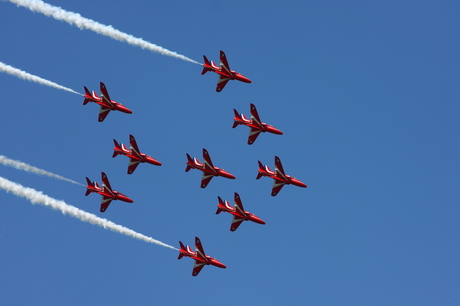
246, 80
300, 184
275, 131
258, 220
261, 221
227, 174
219, 264
126, 199
124, 109
242, 78
153, 161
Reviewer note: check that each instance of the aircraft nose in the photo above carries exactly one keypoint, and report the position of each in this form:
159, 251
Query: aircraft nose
275, 131
126, 199
246, 80
124, 109
258, 220
219, 264
153, 161
300, 184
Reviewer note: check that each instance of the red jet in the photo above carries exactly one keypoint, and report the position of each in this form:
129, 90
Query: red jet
238, 212
201, 259
106, 191
104, 101
224, 71
256, 126
209, 171
135, 156
279, 176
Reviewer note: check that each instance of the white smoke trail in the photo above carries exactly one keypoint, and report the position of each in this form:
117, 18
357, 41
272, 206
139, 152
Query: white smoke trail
26, 167
89, 24
37, 197
29, 77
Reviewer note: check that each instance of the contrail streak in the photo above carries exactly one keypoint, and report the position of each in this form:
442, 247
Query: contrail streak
89, 24
30, 77
26, 167
37, 197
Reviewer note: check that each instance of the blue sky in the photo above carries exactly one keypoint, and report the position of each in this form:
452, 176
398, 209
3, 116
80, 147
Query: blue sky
365, 93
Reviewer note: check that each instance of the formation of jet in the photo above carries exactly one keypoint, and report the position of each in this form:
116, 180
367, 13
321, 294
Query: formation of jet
201, 259
135, 156
108, 194
104, 101
255, 124
238, 212
280, 178
209, 170
224, 72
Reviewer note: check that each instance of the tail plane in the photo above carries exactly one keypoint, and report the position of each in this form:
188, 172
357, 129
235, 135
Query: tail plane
190, 160
221, 204
182, 248
90, 184
206, 62
117, 146
261, 167
87, 93
237, 115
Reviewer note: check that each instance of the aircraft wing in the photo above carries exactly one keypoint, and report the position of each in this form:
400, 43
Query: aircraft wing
105, 203
238, 204
253, 134
235, 223
255, 116
207, 160
277, 185
103, 112
279, 168
221, 82
199, 250
205, 179
197, 267
134, 147
133, 163
105, 94
224, 63
106, 184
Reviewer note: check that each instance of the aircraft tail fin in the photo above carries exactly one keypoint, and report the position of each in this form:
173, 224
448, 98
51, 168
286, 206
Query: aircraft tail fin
87, 93
189, 160
221, 204
117, 146
88, 191
261, 167
237, 115
206, 62
182, 248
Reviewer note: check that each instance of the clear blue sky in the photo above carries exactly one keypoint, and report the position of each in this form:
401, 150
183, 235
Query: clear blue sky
367, 95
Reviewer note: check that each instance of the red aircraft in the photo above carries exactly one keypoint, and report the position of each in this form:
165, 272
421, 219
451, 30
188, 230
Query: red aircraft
106, 191
224, 71
135, 156
256, 126
238, 212
104, 101
209, 171
279, 176
201, 259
